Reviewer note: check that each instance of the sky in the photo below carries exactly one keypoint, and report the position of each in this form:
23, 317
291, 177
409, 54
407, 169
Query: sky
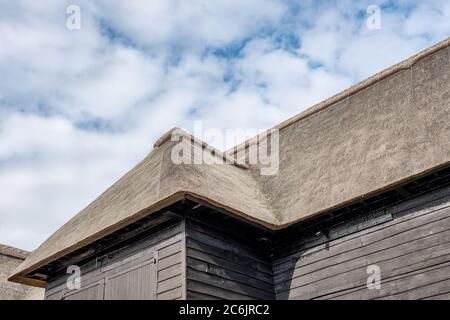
83, 97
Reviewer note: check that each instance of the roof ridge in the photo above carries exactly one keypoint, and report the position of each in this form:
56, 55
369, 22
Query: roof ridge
267, 200
199, 143
403, 65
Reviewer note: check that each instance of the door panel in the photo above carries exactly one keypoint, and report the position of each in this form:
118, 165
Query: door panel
90, 292
127, 273
137, 283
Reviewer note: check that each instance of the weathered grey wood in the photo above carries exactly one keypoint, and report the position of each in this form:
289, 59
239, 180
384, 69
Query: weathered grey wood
403, 212
444, 296
370, 237
388, 233
408, 252
222, 266
357, 278
170, 272
57, 295
174, 294
169, 284
169, 261
220, 249
227, 247
410, 242
245, 269
412, 251
133, 271
192, 295
183, 262
120, 256
230, 285
229, 274
392, 269
92, 253
219, 293
170, 269
136, 284
91, 292
422, 292
170, 250
395, 274
401, 285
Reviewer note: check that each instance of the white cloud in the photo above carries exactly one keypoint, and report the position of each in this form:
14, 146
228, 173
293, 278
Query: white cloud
49, 169
429, 18
123, 78
203, 22
285, 79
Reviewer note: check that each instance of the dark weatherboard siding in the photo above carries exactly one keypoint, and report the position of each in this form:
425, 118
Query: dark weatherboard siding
226, 264
410, 242
151, 268
210, 255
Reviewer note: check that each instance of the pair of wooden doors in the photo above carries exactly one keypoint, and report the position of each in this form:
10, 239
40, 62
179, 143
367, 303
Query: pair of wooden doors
137, 282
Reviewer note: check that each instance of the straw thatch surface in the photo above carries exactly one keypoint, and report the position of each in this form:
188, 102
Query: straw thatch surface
10, 259
374, 135
393, 130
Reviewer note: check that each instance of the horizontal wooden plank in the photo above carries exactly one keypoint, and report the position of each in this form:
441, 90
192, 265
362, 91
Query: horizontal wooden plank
295, 244
393, 239
330, 250
169, 261
241, 236
161, 238
389, 268
238, 258
169, 250
230, 265
217, 292
421, 292
396, 273
169, 284
395, 256
170, 272
227, 284
173, 294
415, 243
192, 295
54, 296
443, 296
93, 268
404, 283
226, 266
226, 245
228, 274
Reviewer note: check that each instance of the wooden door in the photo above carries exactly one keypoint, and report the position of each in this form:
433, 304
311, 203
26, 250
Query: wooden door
135, 283
93, 291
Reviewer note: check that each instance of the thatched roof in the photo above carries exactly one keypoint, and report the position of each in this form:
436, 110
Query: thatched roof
10, 259
379, 133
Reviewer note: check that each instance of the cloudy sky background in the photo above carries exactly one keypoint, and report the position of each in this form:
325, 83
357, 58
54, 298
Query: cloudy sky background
78, 108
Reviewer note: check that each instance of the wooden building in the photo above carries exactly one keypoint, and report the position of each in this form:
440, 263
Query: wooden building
363, 180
